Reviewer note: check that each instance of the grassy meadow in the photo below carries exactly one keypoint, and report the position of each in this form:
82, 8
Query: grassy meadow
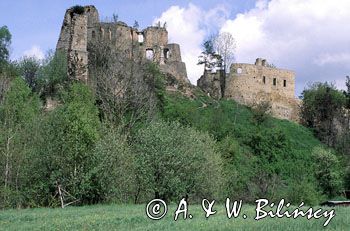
133, 217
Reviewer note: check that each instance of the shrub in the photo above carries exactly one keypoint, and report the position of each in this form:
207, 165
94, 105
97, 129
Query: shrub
174, 161
77, 9
115, 170
62, 149
328, 171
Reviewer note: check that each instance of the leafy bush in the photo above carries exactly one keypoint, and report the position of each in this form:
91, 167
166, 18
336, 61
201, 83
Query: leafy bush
77, 9
5, 41
173, 161
17, 111
260, 159
328, 171
115, 170
52, 76
62, 149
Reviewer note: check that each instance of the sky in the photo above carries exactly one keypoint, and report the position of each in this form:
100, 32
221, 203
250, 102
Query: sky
310, 37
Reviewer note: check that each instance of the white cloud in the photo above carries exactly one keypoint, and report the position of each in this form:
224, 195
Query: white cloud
35, 51
311, 37
188, 27
337, 58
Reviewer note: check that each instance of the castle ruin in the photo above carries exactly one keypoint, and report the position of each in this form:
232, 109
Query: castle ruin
251, 84
248, 84
82, 25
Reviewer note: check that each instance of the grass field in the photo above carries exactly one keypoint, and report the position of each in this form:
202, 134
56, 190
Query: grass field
133, 217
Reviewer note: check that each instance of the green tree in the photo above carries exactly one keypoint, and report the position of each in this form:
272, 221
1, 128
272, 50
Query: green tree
127, 92
238, 168
208, 55
174, 161
218, 54
261, 112
321, 108
271, 148
328, 171
347, 92
62, 150
5, 41
115, 170
29, 68
136, 25
52, 76
17, 111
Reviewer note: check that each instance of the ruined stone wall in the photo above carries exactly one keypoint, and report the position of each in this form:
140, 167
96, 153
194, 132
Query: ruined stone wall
251, 84
151, 43
210, 83
250, 78
73, 41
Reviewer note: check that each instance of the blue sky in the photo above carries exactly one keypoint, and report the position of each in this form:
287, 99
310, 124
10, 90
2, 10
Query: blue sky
311, 37
39, 22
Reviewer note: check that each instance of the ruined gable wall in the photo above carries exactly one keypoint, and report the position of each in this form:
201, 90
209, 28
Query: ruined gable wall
248, 79
251, 84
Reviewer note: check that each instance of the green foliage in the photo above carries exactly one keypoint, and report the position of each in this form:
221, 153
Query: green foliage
29, 68
77, 9
237, 166
322, 104
5, 41
208, 54
156, 81
115, 170
136, 25
52, 76
260, 159
62, 152
173, 161
328, 171
261, 112
347, 93
19, 104
17, 111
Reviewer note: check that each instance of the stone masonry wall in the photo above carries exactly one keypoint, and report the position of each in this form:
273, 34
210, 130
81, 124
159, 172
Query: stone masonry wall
151, 43
251, 84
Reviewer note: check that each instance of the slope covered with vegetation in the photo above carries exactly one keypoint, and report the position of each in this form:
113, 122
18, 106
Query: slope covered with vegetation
122, 138
262, 157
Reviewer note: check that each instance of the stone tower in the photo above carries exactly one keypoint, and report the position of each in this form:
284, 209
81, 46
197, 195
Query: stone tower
82, 25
